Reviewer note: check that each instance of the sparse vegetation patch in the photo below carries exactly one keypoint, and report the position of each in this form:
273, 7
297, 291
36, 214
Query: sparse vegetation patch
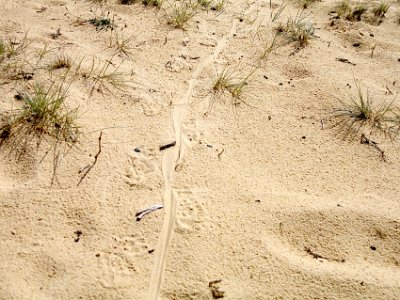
229, 80
297, 29
102, 22
42, 115
381, 9
362, 115
181, 13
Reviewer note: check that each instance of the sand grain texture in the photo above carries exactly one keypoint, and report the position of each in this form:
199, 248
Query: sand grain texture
257, 194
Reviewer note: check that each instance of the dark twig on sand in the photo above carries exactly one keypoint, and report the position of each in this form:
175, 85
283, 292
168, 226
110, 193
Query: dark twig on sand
140, 214
345, 60
95, 160
318, 256
367, 141
166, 146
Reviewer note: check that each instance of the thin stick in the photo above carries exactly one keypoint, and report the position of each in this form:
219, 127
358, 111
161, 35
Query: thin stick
367, 141
373, 49
95, 160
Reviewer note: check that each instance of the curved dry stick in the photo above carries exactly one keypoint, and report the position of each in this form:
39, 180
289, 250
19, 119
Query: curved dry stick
95, 160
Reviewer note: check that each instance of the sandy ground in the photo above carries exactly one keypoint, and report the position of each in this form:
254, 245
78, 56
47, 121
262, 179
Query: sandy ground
262, 195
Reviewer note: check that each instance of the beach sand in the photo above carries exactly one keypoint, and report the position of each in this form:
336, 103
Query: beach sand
260, 194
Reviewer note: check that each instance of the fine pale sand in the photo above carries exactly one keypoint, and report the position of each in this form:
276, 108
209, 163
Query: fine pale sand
263, 195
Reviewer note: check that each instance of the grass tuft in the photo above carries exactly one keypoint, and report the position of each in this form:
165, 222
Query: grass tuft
12, 48
347, 11
97, 2
61, 62
43, 115
360, 114
102, 77
102, 22
123, 46
381, 9
182, 13
229, 80
343, 8
16, 61
297, 30
307, 3
155, 3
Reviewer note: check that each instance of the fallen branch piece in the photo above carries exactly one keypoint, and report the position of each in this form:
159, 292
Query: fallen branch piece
140, 214
318, 256
345, 60
367, 141
88, 168
166, 146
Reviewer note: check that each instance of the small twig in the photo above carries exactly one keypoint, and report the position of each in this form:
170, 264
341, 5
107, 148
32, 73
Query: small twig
322, 124
220, 153
313, 254
373, 49
345, 60
166, 146
367, 141
318, 256
95, 160
140, 214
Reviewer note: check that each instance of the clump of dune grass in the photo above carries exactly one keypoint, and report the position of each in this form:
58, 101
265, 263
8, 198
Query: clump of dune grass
296, 30
218, 5
360, 114
12, 48
127, 2
43, 116
381, 9
97, 2
17, 60
349, 12
61, 62
155, 3
307, 3
103, 22
181, 13
357, 12
206, 4
343, 8
102, 76
122, 46
230, 80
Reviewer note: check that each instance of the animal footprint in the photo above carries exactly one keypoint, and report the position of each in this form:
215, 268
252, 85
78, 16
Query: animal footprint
118, 266
192, 214
176, 65
143, 170
115, 271
151, 104
132, 246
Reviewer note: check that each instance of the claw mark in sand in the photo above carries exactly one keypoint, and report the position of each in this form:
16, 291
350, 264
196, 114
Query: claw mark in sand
169, 161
